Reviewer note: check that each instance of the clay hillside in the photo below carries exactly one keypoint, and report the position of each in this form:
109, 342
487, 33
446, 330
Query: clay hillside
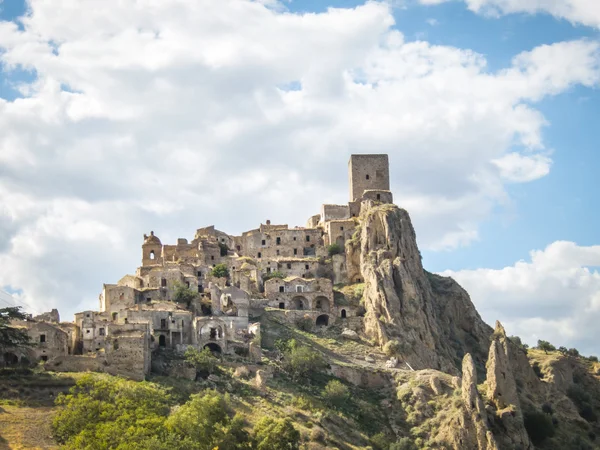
327, 336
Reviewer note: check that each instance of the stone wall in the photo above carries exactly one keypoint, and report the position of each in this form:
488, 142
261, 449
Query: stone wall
368, 172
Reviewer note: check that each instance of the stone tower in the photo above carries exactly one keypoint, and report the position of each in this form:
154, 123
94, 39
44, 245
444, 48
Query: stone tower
366, 172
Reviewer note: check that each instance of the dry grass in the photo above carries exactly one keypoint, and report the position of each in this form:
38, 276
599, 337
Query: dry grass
23, 427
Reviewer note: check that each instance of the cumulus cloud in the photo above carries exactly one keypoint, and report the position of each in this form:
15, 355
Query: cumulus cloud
584, 12
172, 115
555, 296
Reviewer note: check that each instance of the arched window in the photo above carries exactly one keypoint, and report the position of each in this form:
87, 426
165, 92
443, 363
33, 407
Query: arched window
343, 313
152, 256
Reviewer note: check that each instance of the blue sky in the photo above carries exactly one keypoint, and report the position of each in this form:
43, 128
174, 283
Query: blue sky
121, 134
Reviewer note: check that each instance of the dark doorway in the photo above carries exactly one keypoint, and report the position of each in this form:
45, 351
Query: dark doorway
214, 348
343, 313
162, 341
10, 359
323, 320
281, 305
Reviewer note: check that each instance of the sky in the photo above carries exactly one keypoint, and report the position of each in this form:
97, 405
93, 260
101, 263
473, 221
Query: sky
117, 118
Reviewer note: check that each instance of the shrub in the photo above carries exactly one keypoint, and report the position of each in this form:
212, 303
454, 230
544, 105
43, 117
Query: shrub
539, 426
223, 248
205, 422
271, 434
301, 361
336, 393
380, 441
317, 435
305, 324
220, 271
563, 350
334, 249
392, 348
204, 361
547, 408
593, 359
184, 294
583, 401
573, 352
404, 443
545, 346
274, 274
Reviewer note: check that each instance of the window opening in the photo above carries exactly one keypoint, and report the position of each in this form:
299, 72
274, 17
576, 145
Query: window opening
42, 338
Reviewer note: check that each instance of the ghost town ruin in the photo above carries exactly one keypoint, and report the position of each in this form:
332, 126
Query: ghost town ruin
286, 271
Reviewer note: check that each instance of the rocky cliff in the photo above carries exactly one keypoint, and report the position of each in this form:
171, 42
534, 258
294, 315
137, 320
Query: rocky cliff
431, 317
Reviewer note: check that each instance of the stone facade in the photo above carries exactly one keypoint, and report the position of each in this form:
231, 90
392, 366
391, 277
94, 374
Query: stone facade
288, 270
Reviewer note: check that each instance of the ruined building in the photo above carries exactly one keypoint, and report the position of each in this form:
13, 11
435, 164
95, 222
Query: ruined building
292, 270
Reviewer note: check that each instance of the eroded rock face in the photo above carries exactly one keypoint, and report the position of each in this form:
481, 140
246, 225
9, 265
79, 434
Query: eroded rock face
431, 316
502, 391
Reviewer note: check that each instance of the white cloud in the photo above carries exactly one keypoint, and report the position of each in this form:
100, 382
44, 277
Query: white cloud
584, 12
555, 296
433, 22
172, 115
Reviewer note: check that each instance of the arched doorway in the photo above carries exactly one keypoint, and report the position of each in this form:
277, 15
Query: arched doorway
162, 341
322, 304
299, 302
323, 320
10, 359
214, 348
343, 313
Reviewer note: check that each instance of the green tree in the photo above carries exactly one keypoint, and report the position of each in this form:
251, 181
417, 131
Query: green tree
206, 422
404, 443
392, 347
563, 350
184, 294
335, 393
204, 361
10, 336
545, 346
109, 412
573, 352
280, 434
300, 361
334, 249
220, 271
539, 426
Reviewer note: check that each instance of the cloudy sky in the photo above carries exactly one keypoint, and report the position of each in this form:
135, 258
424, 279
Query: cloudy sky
121, 117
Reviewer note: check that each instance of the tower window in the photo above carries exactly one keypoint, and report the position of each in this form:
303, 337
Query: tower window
259, 255
42, 338
278, 241
295, 251
307, 238
264, 242
152, 255
367, 177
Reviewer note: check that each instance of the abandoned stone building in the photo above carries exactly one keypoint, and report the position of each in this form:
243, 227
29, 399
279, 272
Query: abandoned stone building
272, 267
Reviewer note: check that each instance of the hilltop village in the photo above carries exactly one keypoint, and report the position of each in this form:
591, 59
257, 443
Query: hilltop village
228, 281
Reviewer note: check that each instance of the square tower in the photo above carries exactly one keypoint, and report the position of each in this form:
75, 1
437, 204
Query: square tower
367, 172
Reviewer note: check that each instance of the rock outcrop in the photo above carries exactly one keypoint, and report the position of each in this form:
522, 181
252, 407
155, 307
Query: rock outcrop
432, 317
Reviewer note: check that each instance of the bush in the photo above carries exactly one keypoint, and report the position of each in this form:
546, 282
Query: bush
380, 441
220, 271
300, 361
335, 393
563, 350
545, 346
404, 443
334, 249
583, 401
305, 324
184, 294
204, 361
392, 348
223, 248
573, 352
539, 426
593, 359
205, 423
271, 434
317, 435
274, 274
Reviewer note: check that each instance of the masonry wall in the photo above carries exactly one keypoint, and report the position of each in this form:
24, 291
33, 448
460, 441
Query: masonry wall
368, 172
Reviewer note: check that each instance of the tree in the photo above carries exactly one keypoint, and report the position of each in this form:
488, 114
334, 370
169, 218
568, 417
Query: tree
11, 337
563, 350
300, 361
184, 294
204, 361
280, 434
205, 422
539, 426
220, 271
392, 347
545, 346
573, 352
334, 249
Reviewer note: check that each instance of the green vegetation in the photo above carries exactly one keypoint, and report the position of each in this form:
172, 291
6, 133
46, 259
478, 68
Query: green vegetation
335, 393
220, 271
392, 348
270, 434
334, 249
545, 346
299, 361
11, 336
104, 412
223, 248
274, 274
184, 294
204, 361
583, 401
539, 426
